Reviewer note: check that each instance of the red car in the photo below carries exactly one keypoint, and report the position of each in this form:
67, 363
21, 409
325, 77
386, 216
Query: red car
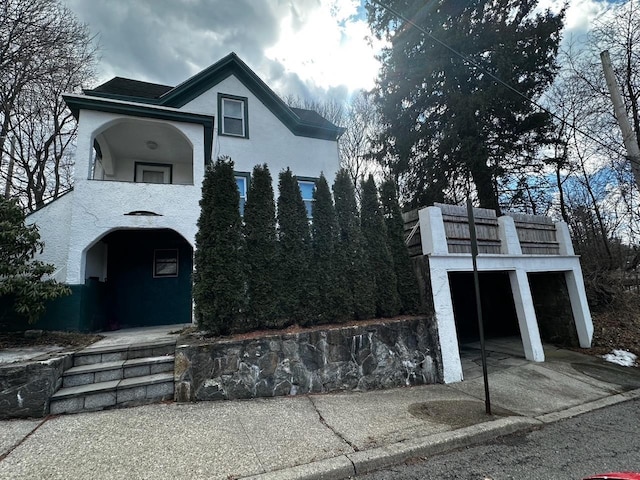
615, 476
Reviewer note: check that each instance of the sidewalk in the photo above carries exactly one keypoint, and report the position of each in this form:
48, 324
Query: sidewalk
327, 436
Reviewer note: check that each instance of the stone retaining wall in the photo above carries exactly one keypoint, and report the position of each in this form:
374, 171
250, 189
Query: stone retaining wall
392, 353
25, 388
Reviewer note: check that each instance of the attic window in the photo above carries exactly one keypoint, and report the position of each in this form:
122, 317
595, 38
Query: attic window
232, 112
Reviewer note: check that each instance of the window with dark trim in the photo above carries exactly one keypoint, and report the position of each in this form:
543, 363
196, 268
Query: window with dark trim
165, 263
307, 185
233, 116
153, 172
242, 181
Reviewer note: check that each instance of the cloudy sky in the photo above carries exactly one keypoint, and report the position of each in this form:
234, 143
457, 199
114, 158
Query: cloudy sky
306, 48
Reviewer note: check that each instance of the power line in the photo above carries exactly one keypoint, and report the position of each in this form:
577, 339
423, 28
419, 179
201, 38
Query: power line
494, 77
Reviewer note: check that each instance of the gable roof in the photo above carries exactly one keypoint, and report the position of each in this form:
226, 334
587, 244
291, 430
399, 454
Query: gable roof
300, 121
126, 87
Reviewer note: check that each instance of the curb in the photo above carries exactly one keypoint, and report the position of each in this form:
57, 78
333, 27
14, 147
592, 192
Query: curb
359, 463
374, 459
588, 407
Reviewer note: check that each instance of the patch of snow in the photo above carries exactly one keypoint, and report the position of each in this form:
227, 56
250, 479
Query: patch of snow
621, 357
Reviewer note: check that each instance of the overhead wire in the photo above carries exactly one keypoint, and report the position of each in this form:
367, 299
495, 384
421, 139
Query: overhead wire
496, 78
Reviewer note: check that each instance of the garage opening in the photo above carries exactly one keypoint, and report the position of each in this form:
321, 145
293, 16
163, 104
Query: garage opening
501, 330
498, 310
552, 305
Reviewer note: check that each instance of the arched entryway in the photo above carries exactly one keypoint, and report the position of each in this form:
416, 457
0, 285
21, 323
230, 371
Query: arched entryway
146, 276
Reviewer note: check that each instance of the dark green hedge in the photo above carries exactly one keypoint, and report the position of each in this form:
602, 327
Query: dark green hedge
271, 270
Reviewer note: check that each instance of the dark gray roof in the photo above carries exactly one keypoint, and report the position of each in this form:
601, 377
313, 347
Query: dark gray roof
299, 121
312, 117
131, 88
127, 87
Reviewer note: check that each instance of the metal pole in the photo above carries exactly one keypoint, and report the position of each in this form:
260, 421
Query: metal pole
476, 281
630, 140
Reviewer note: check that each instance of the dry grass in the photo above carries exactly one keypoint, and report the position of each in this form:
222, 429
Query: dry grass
617, 326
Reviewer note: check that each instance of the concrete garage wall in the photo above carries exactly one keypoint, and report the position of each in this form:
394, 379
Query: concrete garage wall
361, 357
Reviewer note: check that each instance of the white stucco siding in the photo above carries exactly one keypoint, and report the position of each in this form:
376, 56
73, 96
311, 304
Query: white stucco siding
270, 141
101, 206
53, 221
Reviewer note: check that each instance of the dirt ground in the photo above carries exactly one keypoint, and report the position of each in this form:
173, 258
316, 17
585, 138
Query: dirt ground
63, 339
615, 329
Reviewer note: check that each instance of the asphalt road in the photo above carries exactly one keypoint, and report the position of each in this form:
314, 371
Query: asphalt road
600, 441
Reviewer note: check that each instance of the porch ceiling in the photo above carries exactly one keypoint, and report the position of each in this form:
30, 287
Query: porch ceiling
133, 139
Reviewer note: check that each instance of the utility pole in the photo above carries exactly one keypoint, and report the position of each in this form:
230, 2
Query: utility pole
630, 140
12, 152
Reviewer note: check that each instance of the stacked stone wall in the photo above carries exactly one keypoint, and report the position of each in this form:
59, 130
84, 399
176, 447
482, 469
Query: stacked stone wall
391, 353
25, 388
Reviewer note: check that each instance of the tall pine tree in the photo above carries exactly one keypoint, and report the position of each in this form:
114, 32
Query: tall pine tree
448, 119
350, 249
294, 249
407, 283
218, 279
331, 302
374, 232
260, 237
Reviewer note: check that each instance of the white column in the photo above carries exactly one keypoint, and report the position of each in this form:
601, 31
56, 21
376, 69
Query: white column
447, 335
579, 306
564, 239
432, 233
526, 316
509, 242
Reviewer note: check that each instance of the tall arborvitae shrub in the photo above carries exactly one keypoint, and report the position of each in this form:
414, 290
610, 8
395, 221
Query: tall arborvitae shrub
294, 251
405, 276
218, 281
330, 299
350, 249
260, 237
374, 232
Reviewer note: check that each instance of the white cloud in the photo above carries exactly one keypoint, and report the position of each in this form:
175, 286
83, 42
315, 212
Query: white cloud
299, 47
329, 48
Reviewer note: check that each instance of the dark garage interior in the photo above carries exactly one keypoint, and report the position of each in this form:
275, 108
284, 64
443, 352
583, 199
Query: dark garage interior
498, 310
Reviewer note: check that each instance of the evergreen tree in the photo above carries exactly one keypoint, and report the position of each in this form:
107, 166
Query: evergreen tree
218, 280
406, 278
374, 232
294, 248
22, 287
350, 250
446, 118
260, 237
330, 302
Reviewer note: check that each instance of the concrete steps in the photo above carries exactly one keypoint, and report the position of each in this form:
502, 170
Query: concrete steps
116, 376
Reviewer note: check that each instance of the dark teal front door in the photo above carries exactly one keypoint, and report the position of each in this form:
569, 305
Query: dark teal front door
148, 278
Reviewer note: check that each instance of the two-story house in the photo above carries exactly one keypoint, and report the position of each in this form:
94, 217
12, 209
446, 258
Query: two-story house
123, 238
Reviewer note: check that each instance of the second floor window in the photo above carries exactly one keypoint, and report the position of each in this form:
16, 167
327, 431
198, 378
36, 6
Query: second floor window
152, 173
233, 116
